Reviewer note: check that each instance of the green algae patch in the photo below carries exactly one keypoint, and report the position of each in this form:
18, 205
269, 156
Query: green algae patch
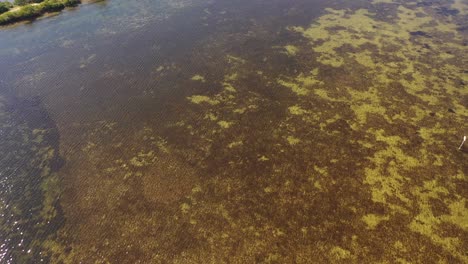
458, 214
359, 29
185, 208
372, 220
340, 253
291, 50
430, 134
235, 144
302, 84
296, 88
199, 99
296, 110
364, 58
428, 224
231, 77
365, 103
331, 40
234, 59
321, 170
323, 94
229, 87
142, 159
240, 110
388, 182
198, 78
211, 117
225, 124
293, 140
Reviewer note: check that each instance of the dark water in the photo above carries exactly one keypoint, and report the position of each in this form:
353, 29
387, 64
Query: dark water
198, 131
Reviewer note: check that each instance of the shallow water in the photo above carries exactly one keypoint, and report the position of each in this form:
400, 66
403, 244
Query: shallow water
211, 131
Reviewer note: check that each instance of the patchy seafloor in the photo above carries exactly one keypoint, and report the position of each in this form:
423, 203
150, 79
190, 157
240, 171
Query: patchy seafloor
252, 132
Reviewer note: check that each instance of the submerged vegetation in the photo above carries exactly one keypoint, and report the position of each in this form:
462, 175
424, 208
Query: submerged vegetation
267, 137
25, 10
29, 208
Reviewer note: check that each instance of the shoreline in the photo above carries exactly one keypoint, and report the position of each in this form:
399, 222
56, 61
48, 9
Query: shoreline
31, 11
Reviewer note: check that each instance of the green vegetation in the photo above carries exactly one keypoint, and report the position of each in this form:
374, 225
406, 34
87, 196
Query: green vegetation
26, 2
5, 6
28, 9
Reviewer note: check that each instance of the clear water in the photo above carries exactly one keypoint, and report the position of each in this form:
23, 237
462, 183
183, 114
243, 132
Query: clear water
196, 131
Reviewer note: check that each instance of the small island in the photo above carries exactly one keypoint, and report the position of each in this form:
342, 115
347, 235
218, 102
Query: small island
29, 9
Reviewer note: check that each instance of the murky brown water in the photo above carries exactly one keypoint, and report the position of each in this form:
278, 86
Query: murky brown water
205, 131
